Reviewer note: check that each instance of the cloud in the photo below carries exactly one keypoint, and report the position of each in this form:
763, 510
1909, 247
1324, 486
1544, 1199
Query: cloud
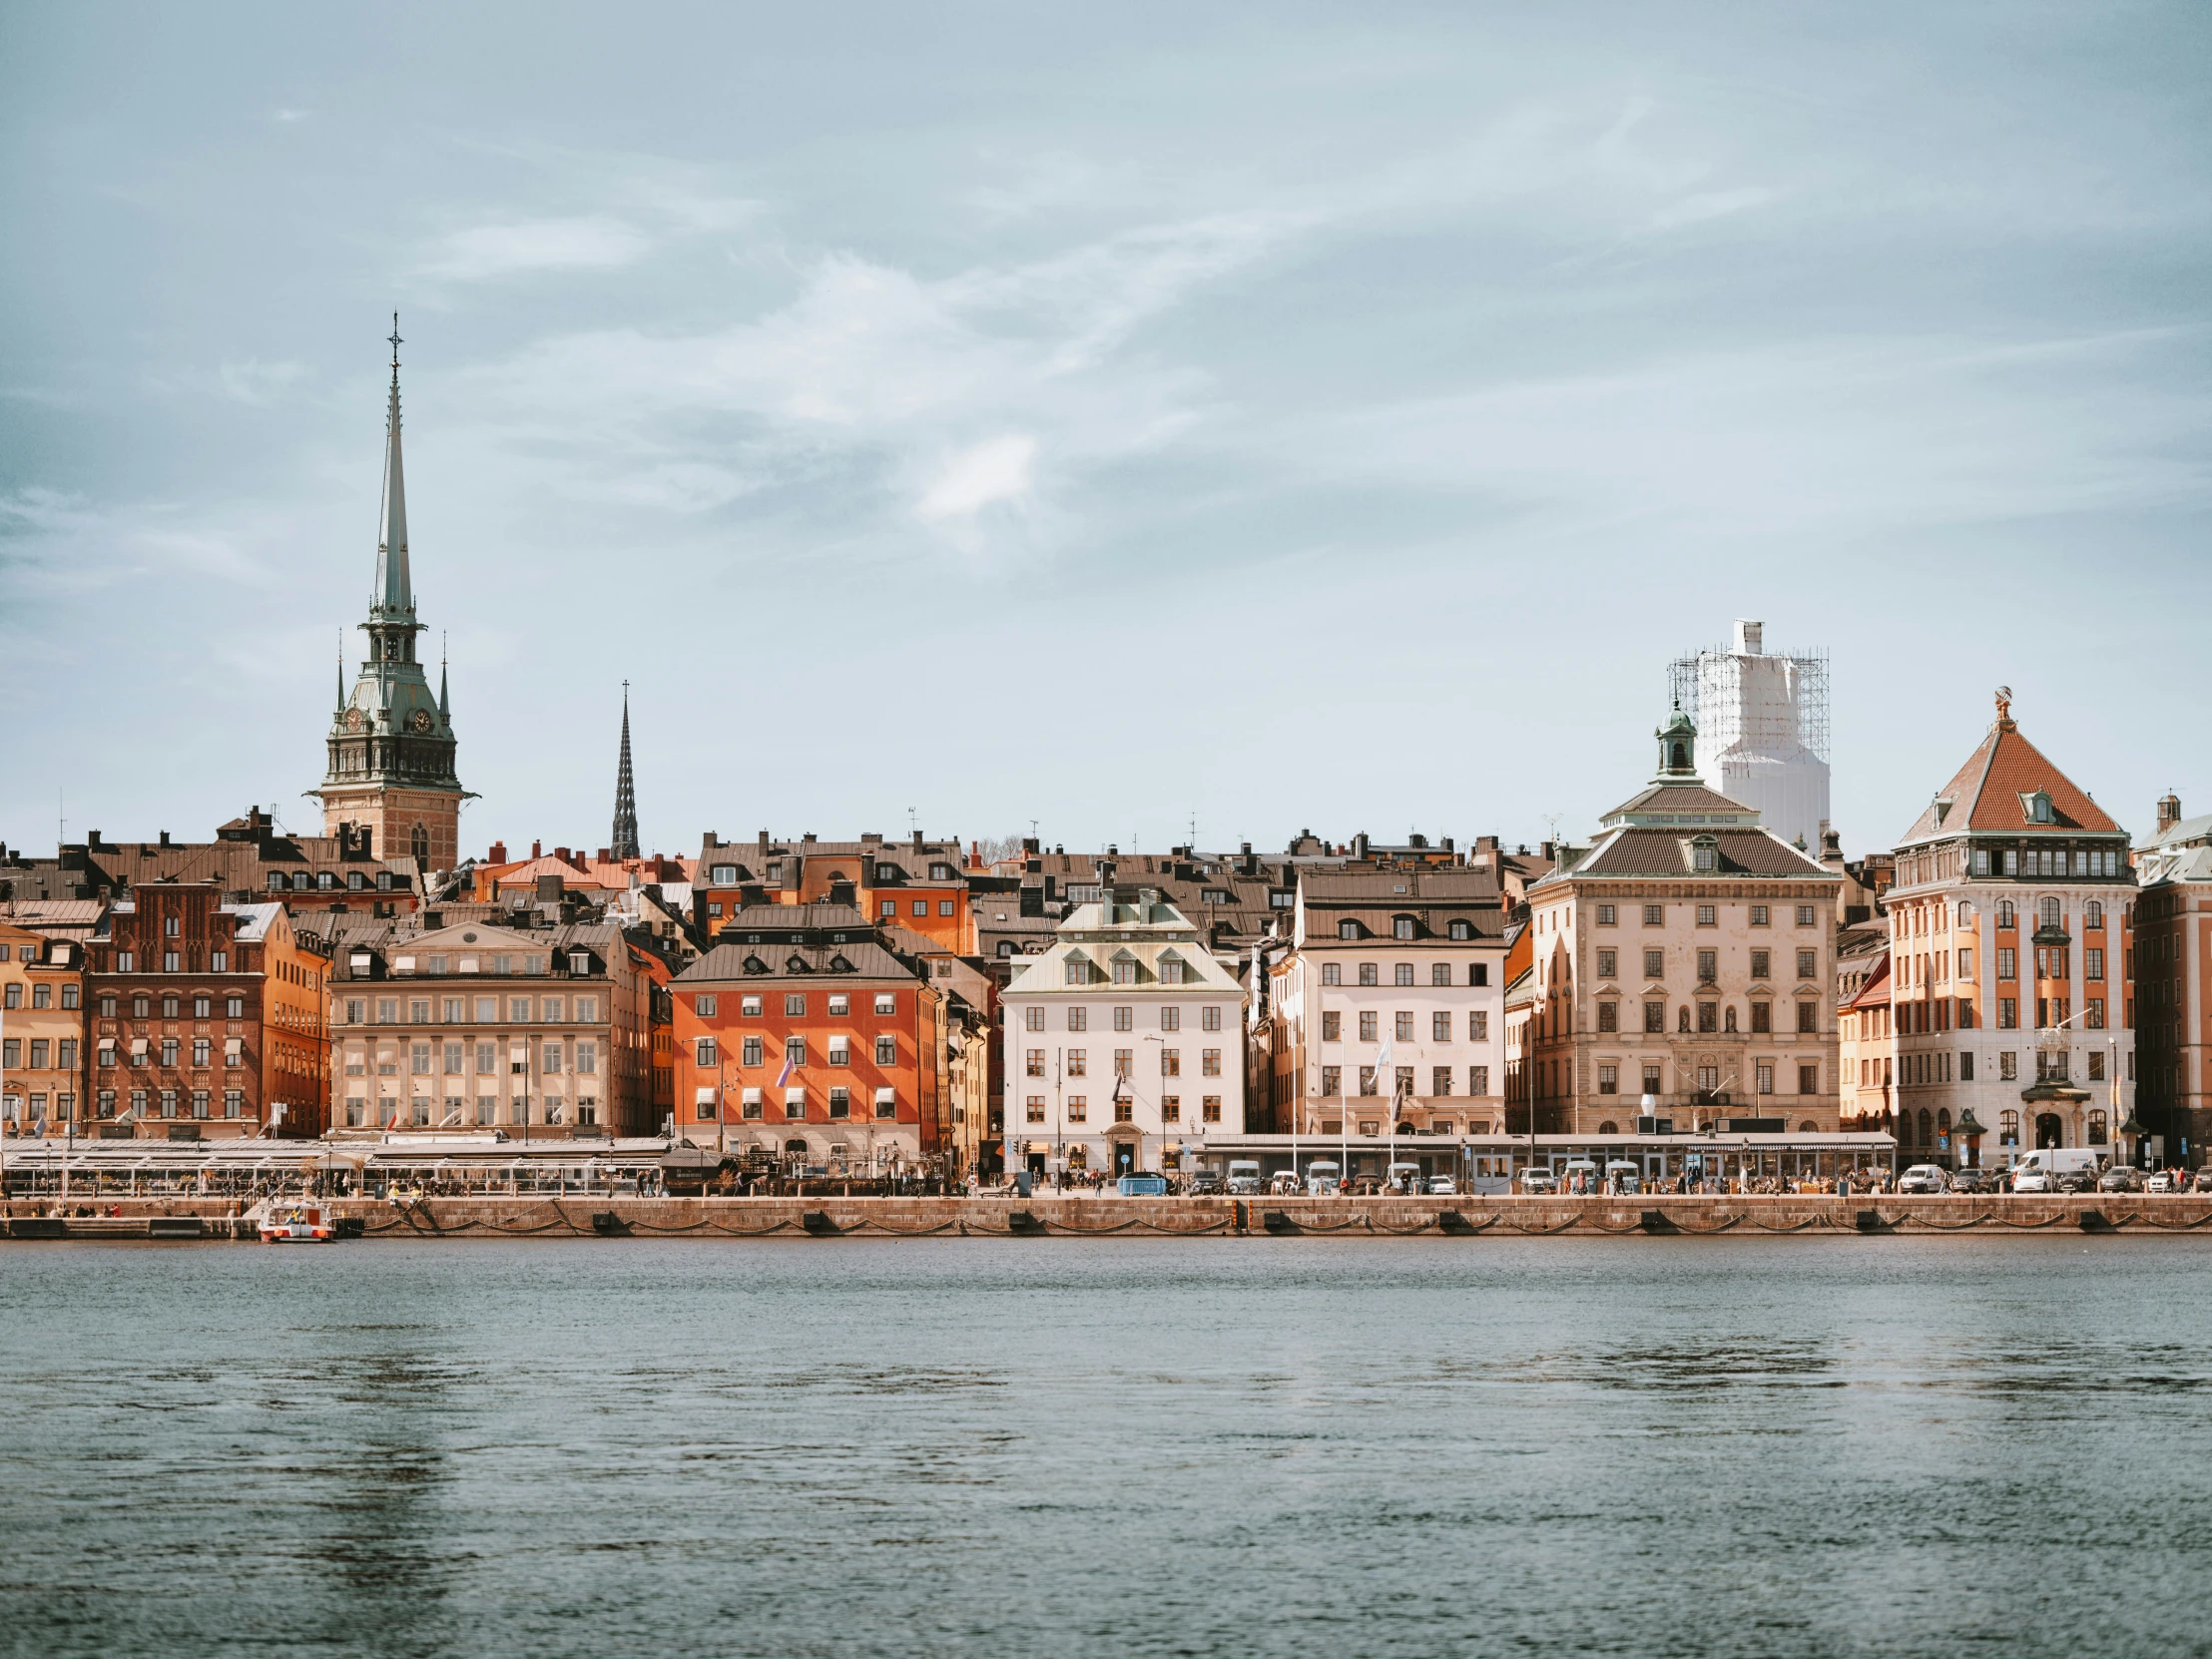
998, 470
591, 242
259, 383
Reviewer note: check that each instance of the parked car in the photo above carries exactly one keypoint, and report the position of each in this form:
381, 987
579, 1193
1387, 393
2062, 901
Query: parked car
1207, 1181
1402, 1178
2035, 1181
2203, 1182
2159, 1181
1924, 1178
1622, 1176
2120, 1178
1539, 1181
1244, 1175
1975, 1180
1286, 1183
1443, 1186
2077, 1181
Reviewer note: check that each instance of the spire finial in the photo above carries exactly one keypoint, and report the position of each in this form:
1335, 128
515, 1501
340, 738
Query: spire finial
396, 343
625, 836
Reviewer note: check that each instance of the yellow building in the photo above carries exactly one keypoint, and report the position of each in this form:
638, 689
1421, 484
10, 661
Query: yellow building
42, 1031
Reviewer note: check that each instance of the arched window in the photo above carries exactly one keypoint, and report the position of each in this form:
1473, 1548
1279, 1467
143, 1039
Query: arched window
1679, 757
2008, 1129
2051, 912
2096, 1128
2092, 914
2006, 916
418, 841
1966, 914
1608, 1128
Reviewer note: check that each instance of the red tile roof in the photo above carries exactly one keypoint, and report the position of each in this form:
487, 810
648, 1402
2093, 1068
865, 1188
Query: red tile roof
1990, 791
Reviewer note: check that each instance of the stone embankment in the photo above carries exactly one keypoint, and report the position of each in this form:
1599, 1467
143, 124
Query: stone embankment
1109, 1216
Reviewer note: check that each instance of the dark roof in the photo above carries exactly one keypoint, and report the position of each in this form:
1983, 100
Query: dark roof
1657, 851
1678, 798
732, 962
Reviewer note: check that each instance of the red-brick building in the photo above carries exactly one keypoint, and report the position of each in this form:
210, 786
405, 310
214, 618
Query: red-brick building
206, 1019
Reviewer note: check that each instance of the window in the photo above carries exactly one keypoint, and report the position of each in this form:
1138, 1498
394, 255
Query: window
2007, 962
2009, 1015
1655, 1018
1708, 967
1171, 1062
1655, 915
1608, 1016
1171, 1108
1804, 917
1370, 974
1758, 916
1331, 1080
2007, 915
1331, 973
1655, 964
1439, 1027
1209, 1019
1368, 1032
1763, 1076
2092, 962
705, 1051
922, 906
1032, 1019
841, 1103
886, 1050
1076, 971
1708, 1016
2092, 915
1654, 1078
1440, 1080
1171, 970
1404, 975
1762, 965
1367, 1079
886, 1002
841, 1005
1125, 973
1807, 1018
1479, 1079
1807, 964
1706, 858
945, 906
795, 1005
1809, 1080
1606, 915
1762, 1017
1210, 1108
1439, 973
1124, 1060
1608, 1079
1032, 1109
1125, 1111
69, 994
1331, 1026
2097, 1066
795, 1051
1479, 1028
840, 1050
1607, 965
1079, 1020
1403, 928
1125, 1019
889, 907
1462, 931
1707, 915
1033, 1062
1348, 930
2092, 1015
1401, 1027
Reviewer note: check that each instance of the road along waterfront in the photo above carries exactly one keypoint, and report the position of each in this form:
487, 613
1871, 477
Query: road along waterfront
1671, 1446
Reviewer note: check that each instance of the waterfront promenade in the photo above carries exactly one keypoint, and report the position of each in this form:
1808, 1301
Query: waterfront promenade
1110, 1215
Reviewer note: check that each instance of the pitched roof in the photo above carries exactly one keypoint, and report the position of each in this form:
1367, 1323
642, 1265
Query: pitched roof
729, 962
1992, 792
1694, 798
1652, 850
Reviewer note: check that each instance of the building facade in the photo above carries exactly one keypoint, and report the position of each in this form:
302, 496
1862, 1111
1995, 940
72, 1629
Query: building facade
2008, 958
1389, 1009
208, 1020
474, 1027
920, 885
803, 1037
42, 1033
1124, 1041
391, 769
1683, 958
2174, 984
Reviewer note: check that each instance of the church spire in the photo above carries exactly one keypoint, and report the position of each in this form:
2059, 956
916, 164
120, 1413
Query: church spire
445, 704
626, 802
394, 589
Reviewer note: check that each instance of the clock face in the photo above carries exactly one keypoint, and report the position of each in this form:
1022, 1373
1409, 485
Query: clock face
421, 719
352, 720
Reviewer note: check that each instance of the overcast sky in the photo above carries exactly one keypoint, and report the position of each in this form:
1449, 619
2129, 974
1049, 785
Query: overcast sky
1323, 416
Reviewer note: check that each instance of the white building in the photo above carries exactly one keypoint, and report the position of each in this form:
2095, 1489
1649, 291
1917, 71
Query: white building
1124, 1041
1390, 1009
1762, 731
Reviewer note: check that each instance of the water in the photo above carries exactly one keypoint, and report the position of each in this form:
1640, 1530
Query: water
1268, 1445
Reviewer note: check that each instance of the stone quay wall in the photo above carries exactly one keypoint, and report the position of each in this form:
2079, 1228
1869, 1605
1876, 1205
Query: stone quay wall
1111, 1216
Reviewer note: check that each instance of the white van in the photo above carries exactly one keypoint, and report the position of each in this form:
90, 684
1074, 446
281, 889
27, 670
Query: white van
1244, 1175
2046, 1165
1323, 1176
1402, 1178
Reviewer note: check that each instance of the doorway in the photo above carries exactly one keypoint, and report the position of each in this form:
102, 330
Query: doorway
2049, 1131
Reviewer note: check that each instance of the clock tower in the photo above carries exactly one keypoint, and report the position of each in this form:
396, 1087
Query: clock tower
390, 772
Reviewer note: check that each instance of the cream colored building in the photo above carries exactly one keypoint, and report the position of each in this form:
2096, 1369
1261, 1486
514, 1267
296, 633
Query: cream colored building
1392, 1003
42, 1032
1124, 1041
1685, 955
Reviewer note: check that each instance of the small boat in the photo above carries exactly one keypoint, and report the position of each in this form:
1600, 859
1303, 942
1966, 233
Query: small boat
309, 1222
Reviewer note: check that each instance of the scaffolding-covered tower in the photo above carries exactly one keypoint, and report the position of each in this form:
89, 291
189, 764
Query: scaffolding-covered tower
1761, 729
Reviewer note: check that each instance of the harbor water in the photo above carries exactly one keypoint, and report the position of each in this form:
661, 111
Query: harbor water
1698, 1446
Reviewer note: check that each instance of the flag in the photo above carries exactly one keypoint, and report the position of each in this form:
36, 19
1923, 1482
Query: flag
786, 1071
1386, 1073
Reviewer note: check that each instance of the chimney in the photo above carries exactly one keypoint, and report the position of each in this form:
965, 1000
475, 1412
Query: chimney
560, 853
1548, 850
497, 855
164, 837
605, 854
432, 919
763, 844
2169, 813
1749, 637
549, 890
537, 849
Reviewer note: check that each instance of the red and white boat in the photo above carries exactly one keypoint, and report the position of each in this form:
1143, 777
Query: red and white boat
307, 1222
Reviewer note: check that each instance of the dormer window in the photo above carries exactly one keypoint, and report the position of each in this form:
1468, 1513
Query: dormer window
2039, 808
1462, 930
1705, 854
1171, 970
1125, 972
725, 876
1348, 930
1401, 928
579, 961
887, 872
941, 873
1077, 971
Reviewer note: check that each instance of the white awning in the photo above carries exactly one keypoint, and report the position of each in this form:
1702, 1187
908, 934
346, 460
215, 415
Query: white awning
795, 1097
705, 1093
751, 1097
885, 1097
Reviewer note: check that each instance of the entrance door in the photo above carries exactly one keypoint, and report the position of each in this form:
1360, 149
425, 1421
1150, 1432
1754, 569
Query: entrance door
2047, 1130
1125, 1158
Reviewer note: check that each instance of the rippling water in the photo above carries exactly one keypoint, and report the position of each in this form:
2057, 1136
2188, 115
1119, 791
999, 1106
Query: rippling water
1275, 1445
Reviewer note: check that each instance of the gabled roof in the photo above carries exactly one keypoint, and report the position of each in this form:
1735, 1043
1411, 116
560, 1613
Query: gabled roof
1991, 791
1642, 850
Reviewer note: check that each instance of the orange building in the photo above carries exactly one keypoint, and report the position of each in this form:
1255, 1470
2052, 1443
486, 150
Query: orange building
803, 1036
42, 1031
917, 884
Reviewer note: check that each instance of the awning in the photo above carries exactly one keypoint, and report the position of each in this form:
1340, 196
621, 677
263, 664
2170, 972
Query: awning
886, 1097
705, 1094
751, 1097
1037, 1149
795, 1097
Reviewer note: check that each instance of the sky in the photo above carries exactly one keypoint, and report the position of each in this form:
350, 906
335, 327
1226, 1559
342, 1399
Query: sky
1118, 418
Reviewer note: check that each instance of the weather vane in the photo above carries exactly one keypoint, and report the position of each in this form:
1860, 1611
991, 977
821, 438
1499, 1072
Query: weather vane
394, 338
